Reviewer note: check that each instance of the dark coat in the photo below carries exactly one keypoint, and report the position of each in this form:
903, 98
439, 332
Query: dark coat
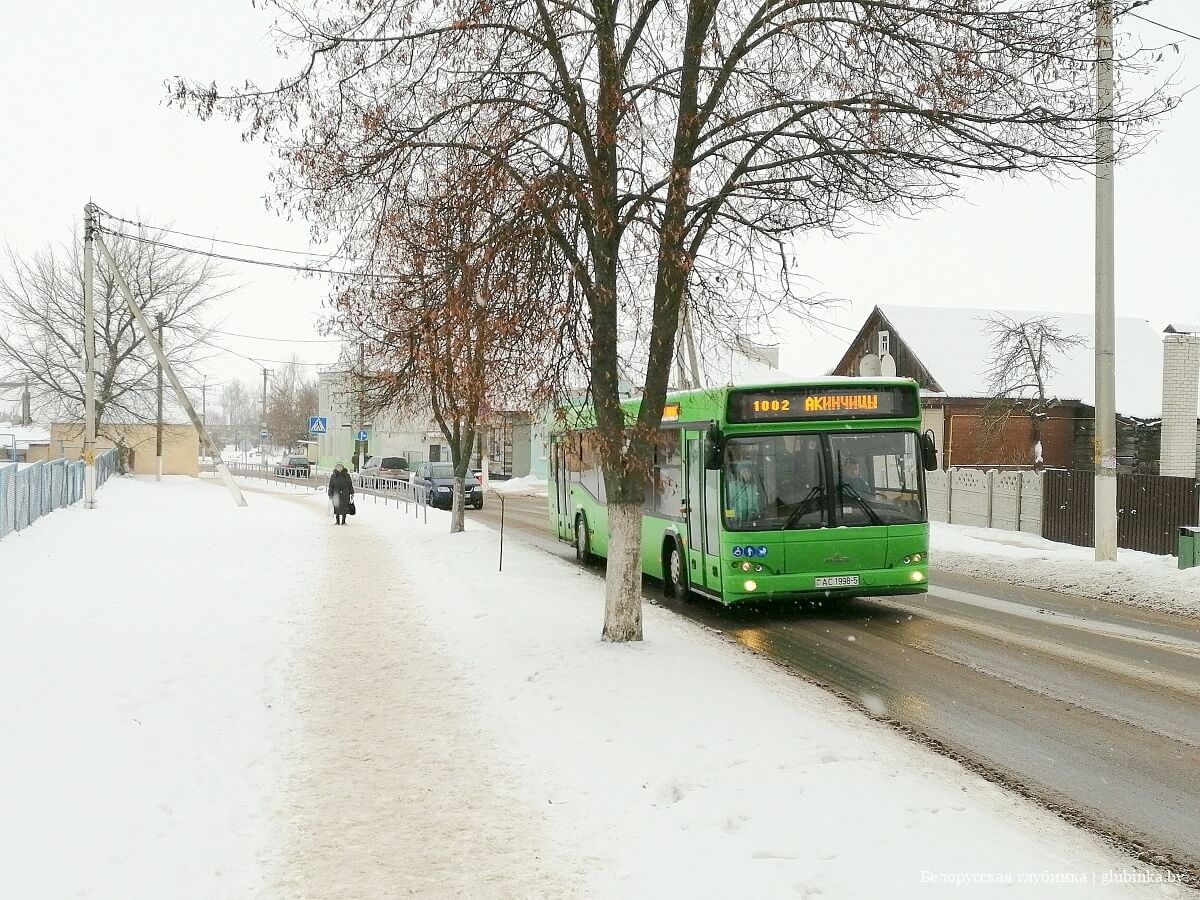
341, 489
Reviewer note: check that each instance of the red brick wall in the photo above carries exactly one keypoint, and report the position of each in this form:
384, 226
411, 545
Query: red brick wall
972, 441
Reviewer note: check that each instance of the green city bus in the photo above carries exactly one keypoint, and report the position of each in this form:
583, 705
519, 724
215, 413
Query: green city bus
815, 489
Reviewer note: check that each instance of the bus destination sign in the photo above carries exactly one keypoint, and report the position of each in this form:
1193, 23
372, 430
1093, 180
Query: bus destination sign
801, 404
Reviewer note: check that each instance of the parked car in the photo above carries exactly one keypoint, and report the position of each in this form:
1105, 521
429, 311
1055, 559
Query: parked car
438, 481
295, 466
385, 467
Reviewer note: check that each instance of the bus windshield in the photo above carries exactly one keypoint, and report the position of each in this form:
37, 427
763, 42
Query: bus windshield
783, 482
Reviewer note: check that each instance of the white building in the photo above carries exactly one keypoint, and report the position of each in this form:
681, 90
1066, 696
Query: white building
414, 438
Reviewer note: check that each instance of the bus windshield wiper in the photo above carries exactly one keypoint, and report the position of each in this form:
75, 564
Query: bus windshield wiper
811, 501
867, 508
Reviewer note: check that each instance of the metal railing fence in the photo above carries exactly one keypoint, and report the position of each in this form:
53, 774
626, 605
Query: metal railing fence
30, 491
389, 490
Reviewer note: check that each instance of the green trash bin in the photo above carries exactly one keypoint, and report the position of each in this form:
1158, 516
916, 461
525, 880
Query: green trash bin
1189, 546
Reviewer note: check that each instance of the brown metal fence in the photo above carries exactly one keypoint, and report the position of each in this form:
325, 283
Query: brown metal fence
1150, 509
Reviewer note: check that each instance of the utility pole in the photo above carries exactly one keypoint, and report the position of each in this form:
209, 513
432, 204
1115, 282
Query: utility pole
360, 447
263, 431
158, 467
204, 400
1105, 450
180, 394
89, 355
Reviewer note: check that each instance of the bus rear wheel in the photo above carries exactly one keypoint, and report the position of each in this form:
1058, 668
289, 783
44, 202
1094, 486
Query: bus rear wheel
675, 571
583, 549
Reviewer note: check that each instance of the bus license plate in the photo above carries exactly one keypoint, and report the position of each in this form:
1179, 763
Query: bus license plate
838, 581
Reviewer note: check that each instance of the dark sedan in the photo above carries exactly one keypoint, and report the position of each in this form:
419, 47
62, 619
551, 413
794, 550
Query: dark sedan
437, 479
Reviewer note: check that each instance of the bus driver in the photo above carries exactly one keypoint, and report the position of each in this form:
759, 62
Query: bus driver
852, 478
745, 499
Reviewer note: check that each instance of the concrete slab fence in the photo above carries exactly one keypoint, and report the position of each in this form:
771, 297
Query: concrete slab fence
1011, 501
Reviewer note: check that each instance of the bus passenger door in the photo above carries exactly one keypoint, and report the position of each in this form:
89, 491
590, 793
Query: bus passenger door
564, 522
703, 518
694, 460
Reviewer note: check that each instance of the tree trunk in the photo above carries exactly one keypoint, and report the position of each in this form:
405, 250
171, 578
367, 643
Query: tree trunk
457, 511
1038, 463
623, 580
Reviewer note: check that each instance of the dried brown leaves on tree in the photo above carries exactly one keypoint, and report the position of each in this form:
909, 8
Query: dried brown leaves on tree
470, 317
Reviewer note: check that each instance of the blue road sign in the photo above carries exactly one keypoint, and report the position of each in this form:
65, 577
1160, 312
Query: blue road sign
316, 425
361, 436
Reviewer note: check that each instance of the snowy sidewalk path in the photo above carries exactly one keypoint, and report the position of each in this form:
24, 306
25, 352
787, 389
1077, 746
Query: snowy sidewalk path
393, 793
205, 702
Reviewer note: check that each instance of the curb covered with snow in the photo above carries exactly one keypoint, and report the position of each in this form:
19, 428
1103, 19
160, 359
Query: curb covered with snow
1136, 579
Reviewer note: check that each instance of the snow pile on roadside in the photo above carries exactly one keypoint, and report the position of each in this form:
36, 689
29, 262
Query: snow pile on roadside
1137, 579
525, 486
684, 766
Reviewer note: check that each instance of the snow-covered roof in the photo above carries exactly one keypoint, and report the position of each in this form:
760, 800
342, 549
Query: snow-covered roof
954, 346
25, 435
1183, 328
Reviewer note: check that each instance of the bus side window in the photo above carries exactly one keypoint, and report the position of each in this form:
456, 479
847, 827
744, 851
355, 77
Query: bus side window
668, 475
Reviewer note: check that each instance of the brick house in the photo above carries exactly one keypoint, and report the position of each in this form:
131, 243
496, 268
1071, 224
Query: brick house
946, 351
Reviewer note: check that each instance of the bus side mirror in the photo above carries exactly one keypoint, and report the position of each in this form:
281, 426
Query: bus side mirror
929, 451
714, 449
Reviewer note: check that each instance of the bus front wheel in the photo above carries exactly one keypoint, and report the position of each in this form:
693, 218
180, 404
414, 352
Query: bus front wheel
583, 549
675, 571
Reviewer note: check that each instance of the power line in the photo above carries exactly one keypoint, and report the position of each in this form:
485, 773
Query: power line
1186, 34
258, 361
258, 337
202, 237
316, 270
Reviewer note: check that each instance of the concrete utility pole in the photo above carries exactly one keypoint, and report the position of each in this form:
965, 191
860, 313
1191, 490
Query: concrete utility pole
1105, 451
263, 430
148, 333
158, 467
360, 447
89, 355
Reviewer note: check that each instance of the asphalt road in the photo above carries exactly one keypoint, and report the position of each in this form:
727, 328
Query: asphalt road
1091, 708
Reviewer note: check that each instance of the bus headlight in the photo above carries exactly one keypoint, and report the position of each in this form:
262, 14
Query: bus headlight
751, 585
745, 567
917, 576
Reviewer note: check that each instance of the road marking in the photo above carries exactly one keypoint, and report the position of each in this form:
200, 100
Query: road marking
1055, 649
1070, 620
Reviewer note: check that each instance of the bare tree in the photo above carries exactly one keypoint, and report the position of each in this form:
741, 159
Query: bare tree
471, 318
671, 144
41, 331
1023, 357
240, 412
291, 399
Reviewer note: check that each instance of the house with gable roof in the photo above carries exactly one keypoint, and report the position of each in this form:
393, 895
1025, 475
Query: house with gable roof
947, 352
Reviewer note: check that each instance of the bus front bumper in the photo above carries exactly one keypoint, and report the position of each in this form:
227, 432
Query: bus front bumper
746, 586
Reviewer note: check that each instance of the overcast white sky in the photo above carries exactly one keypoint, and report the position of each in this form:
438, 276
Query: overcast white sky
84, 117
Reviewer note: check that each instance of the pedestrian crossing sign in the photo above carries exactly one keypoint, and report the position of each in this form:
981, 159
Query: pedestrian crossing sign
316, 425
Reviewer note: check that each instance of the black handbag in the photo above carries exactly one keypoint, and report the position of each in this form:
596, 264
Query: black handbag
351, 511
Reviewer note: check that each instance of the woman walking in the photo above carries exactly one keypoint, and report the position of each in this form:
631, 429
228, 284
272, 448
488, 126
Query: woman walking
341, 493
